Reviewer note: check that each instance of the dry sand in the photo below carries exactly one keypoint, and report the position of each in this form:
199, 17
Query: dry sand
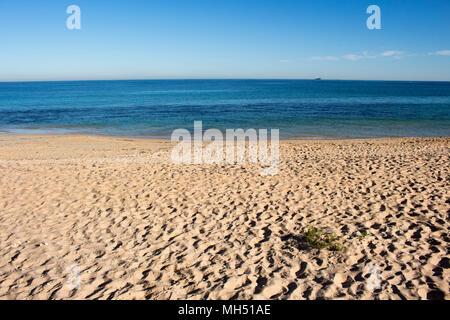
138, 226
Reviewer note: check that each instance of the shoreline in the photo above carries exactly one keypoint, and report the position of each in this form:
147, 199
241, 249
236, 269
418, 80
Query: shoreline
282, 139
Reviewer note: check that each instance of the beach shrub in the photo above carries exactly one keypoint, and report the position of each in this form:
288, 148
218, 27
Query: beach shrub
319, 239
363, 235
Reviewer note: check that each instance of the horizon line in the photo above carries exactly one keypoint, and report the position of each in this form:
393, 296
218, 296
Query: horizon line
194, 78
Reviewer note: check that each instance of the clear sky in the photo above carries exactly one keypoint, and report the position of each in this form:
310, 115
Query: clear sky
145, 39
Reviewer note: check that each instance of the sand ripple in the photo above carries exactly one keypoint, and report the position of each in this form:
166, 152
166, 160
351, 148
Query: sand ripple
137, 226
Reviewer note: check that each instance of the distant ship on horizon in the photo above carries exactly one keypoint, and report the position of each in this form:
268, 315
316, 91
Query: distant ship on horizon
318, 79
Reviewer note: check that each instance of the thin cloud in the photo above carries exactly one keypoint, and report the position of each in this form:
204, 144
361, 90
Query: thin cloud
443, 53
354, 57
392, 53
395, 54
327, 58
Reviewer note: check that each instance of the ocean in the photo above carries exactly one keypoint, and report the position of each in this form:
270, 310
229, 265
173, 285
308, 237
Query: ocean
298, 108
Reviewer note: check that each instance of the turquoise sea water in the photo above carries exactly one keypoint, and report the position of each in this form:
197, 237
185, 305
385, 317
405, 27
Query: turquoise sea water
299, 108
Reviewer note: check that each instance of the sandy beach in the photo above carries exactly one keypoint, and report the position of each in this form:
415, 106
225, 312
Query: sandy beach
85, 217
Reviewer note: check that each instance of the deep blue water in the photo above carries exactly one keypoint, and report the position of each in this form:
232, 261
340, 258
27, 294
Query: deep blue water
299, 108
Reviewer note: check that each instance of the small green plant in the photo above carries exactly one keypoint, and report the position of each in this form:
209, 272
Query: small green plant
318, 239
363, 235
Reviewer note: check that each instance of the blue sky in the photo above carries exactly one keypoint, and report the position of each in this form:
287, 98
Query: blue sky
224, 39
